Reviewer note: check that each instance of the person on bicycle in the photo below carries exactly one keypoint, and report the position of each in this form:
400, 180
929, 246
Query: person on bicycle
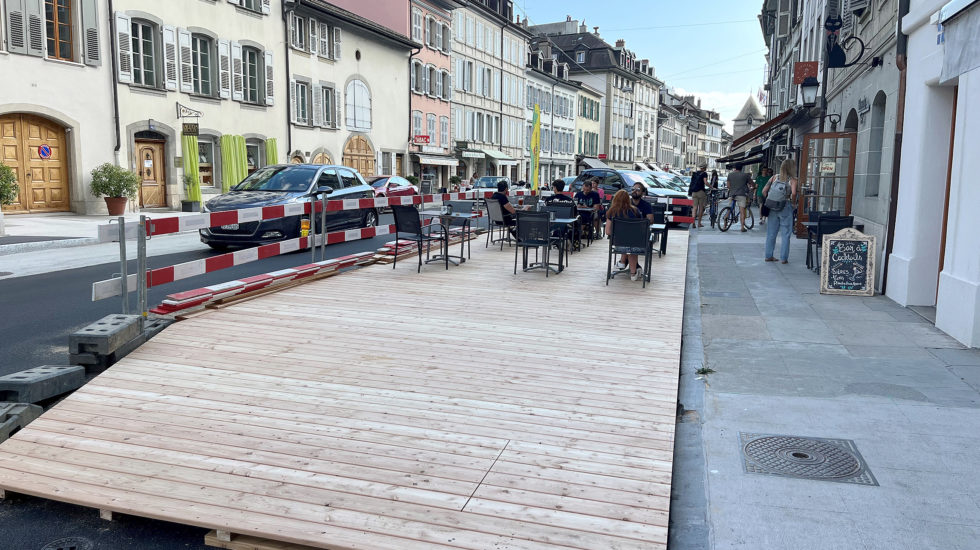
696, 190
738, 187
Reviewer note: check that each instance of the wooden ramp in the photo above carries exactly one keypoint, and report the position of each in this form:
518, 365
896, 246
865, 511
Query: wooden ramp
468, 408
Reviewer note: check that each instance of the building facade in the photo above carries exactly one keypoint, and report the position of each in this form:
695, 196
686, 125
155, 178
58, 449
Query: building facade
587, 125
56, 119
349, 93
669, 136
647, 96
489, 53
548, 88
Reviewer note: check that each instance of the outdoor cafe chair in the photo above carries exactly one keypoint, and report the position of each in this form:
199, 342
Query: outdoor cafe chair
811, 231
496, 223
462, 207
567, 212
629, 234
660, 218
534, 231
826, 225
408, 221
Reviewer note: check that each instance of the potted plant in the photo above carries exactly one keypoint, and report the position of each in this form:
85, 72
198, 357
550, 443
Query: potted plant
8, 189
187, 205
454, 182
116, 185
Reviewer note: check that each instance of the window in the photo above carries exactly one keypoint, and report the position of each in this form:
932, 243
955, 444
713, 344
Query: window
447, 87
417, 76
297, 31
325, 105
458, 124
430, 123
324, 36
434, 82
254, 155
58, 20
470, 31
444, 131
201, 64
144, 64
416, 123
252, 75
301, 102
205, 152
358, 100
479, 35
446, 33
417, 25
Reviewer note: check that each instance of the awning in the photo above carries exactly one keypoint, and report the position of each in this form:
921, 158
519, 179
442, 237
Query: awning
433, 160
499, 158
471, 154
731, 158
761, 130
592, 162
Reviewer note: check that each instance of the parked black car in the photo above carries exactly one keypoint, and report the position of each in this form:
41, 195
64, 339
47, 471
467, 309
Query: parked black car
285, 184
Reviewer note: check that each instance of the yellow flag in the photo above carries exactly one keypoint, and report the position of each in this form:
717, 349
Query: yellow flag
535, 147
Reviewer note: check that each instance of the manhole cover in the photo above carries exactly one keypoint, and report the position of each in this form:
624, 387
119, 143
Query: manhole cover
805, 457
69, 543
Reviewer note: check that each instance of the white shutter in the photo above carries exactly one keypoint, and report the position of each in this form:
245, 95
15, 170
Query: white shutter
269, 88
336, 43
237, 73
438, 42
425, 80
314, 42
293, 29
438, 83
428, 32
317, 92
266, 6
170, 57
857, 7
413, 76
324, 40
224, 69
496, 85
236, 2
124, 47
91, 49
337, 108
459, 73
783, 18
293, 102
36, 39
16, 27
186, 60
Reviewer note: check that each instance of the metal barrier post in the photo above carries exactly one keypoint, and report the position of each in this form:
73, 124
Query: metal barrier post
311, 234
323, 228
122, 265
141, 270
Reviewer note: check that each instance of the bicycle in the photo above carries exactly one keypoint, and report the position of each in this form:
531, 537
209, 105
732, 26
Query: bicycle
713, 196
729, 216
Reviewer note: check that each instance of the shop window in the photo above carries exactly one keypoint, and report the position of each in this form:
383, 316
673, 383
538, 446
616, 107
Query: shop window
255, 155
206, 165
358, 105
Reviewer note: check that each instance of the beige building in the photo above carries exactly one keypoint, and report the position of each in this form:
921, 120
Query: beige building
56, 119
589, 101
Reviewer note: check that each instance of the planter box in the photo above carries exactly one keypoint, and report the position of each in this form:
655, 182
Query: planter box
190, 206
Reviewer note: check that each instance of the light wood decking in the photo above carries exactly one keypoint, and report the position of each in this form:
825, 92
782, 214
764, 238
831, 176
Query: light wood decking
382, 409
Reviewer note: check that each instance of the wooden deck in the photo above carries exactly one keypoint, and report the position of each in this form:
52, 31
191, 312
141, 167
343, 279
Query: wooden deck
382, 409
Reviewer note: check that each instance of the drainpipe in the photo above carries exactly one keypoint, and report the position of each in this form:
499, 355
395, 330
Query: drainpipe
901, 61
289, 92
112, 83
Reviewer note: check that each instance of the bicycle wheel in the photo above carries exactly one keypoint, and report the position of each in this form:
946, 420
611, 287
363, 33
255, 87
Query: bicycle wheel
749, 218
725, 218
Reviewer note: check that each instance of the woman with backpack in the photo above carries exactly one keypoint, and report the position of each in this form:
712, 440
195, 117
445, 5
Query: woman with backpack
780, 195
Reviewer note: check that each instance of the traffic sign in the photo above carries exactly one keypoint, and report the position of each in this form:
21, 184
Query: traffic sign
44, 151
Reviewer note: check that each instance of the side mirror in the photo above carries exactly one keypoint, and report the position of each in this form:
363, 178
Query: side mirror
324, 190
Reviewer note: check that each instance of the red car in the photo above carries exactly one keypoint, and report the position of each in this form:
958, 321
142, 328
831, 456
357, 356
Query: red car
392, 186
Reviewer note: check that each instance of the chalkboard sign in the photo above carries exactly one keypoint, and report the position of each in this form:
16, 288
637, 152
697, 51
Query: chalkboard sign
847, 263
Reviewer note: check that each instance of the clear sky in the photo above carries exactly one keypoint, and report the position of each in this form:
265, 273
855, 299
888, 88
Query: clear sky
711, 48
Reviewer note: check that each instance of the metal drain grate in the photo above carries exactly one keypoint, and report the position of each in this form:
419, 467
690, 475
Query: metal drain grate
69, 543
805, 458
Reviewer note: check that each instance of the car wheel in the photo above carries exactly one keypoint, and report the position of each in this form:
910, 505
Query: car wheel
371, 218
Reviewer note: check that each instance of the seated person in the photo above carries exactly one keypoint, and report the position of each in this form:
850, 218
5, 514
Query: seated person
589, 198
636, 198
622, 207
508, 209
559, 198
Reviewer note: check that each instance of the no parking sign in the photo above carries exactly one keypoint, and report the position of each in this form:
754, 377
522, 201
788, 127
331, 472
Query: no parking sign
44, 151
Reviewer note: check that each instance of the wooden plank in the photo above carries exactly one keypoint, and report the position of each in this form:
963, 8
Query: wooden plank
246, 542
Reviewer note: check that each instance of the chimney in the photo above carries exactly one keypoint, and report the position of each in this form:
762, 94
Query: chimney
596, 30
568, 18
582, 28
620, 43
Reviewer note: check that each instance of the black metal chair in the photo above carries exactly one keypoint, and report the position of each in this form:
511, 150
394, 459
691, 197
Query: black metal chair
408, 221
826, 225
462, 207
496, 223
814, 216
565, 235
660, 218
534, 231
629, 234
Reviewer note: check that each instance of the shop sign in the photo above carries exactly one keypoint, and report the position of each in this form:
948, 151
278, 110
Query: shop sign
190, 129
804, 69
602, 156
828, 167
431, 149
420, 140
472, 155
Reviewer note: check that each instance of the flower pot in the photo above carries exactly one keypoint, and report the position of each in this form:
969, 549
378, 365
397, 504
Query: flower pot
116, 205
190, 206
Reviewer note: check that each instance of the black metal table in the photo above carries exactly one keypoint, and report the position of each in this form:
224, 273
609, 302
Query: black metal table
444, 217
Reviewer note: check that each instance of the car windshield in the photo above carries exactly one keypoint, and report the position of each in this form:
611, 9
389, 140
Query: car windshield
294, 179
378, 182
669, 181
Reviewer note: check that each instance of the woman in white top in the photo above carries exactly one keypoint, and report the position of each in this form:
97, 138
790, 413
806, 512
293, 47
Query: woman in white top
783, 187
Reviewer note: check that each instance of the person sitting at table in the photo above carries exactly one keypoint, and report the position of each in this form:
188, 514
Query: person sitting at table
622, 207
588, 198
505, 206
559, 198
636, 199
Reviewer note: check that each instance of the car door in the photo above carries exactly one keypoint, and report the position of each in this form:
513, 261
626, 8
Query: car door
351, 188
611, 182
329, 178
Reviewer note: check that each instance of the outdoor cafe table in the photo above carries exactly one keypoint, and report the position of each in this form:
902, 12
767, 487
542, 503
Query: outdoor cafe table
562, 252
465, 218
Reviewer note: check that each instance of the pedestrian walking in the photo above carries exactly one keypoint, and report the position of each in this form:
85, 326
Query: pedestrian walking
738, 187
696, 191
780, 196
714, 179
760, 182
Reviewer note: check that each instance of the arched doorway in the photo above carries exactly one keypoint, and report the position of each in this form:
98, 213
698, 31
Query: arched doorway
151, 165
37, 151
296, 159
322, 158
851, 123
359, 155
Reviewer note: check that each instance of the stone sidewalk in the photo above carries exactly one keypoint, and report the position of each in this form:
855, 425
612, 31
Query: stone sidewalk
790, 361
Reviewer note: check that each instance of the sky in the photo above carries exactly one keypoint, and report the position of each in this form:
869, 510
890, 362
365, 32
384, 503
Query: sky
710, 48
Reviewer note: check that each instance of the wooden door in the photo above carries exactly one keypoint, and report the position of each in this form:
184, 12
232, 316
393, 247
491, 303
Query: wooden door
826, 175
36, 149
151, 164
359, 155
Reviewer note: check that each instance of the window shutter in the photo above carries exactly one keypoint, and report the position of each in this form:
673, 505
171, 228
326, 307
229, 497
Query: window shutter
317, 92
428, 32
269, 88
186, 60
413, 76
425, 80
336, 43
447, 86
438, 76
783, 18
90, 33
336, 107
124, 48
224, 69
496, 85
16, 27
170, 57
36, 40
266, 6
293, 24
236, 2
237, 73
314, 42
324, 40
293, 102
446, 34
439, 35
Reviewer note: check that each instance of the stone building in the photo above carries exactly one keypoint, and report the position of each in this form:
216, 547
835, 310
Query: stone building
548, 87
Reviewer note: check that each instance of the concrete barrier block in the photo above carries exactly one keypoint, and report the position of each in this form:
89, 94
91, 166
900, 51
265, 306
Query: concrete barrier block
40, 383
14, 416
105, 335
